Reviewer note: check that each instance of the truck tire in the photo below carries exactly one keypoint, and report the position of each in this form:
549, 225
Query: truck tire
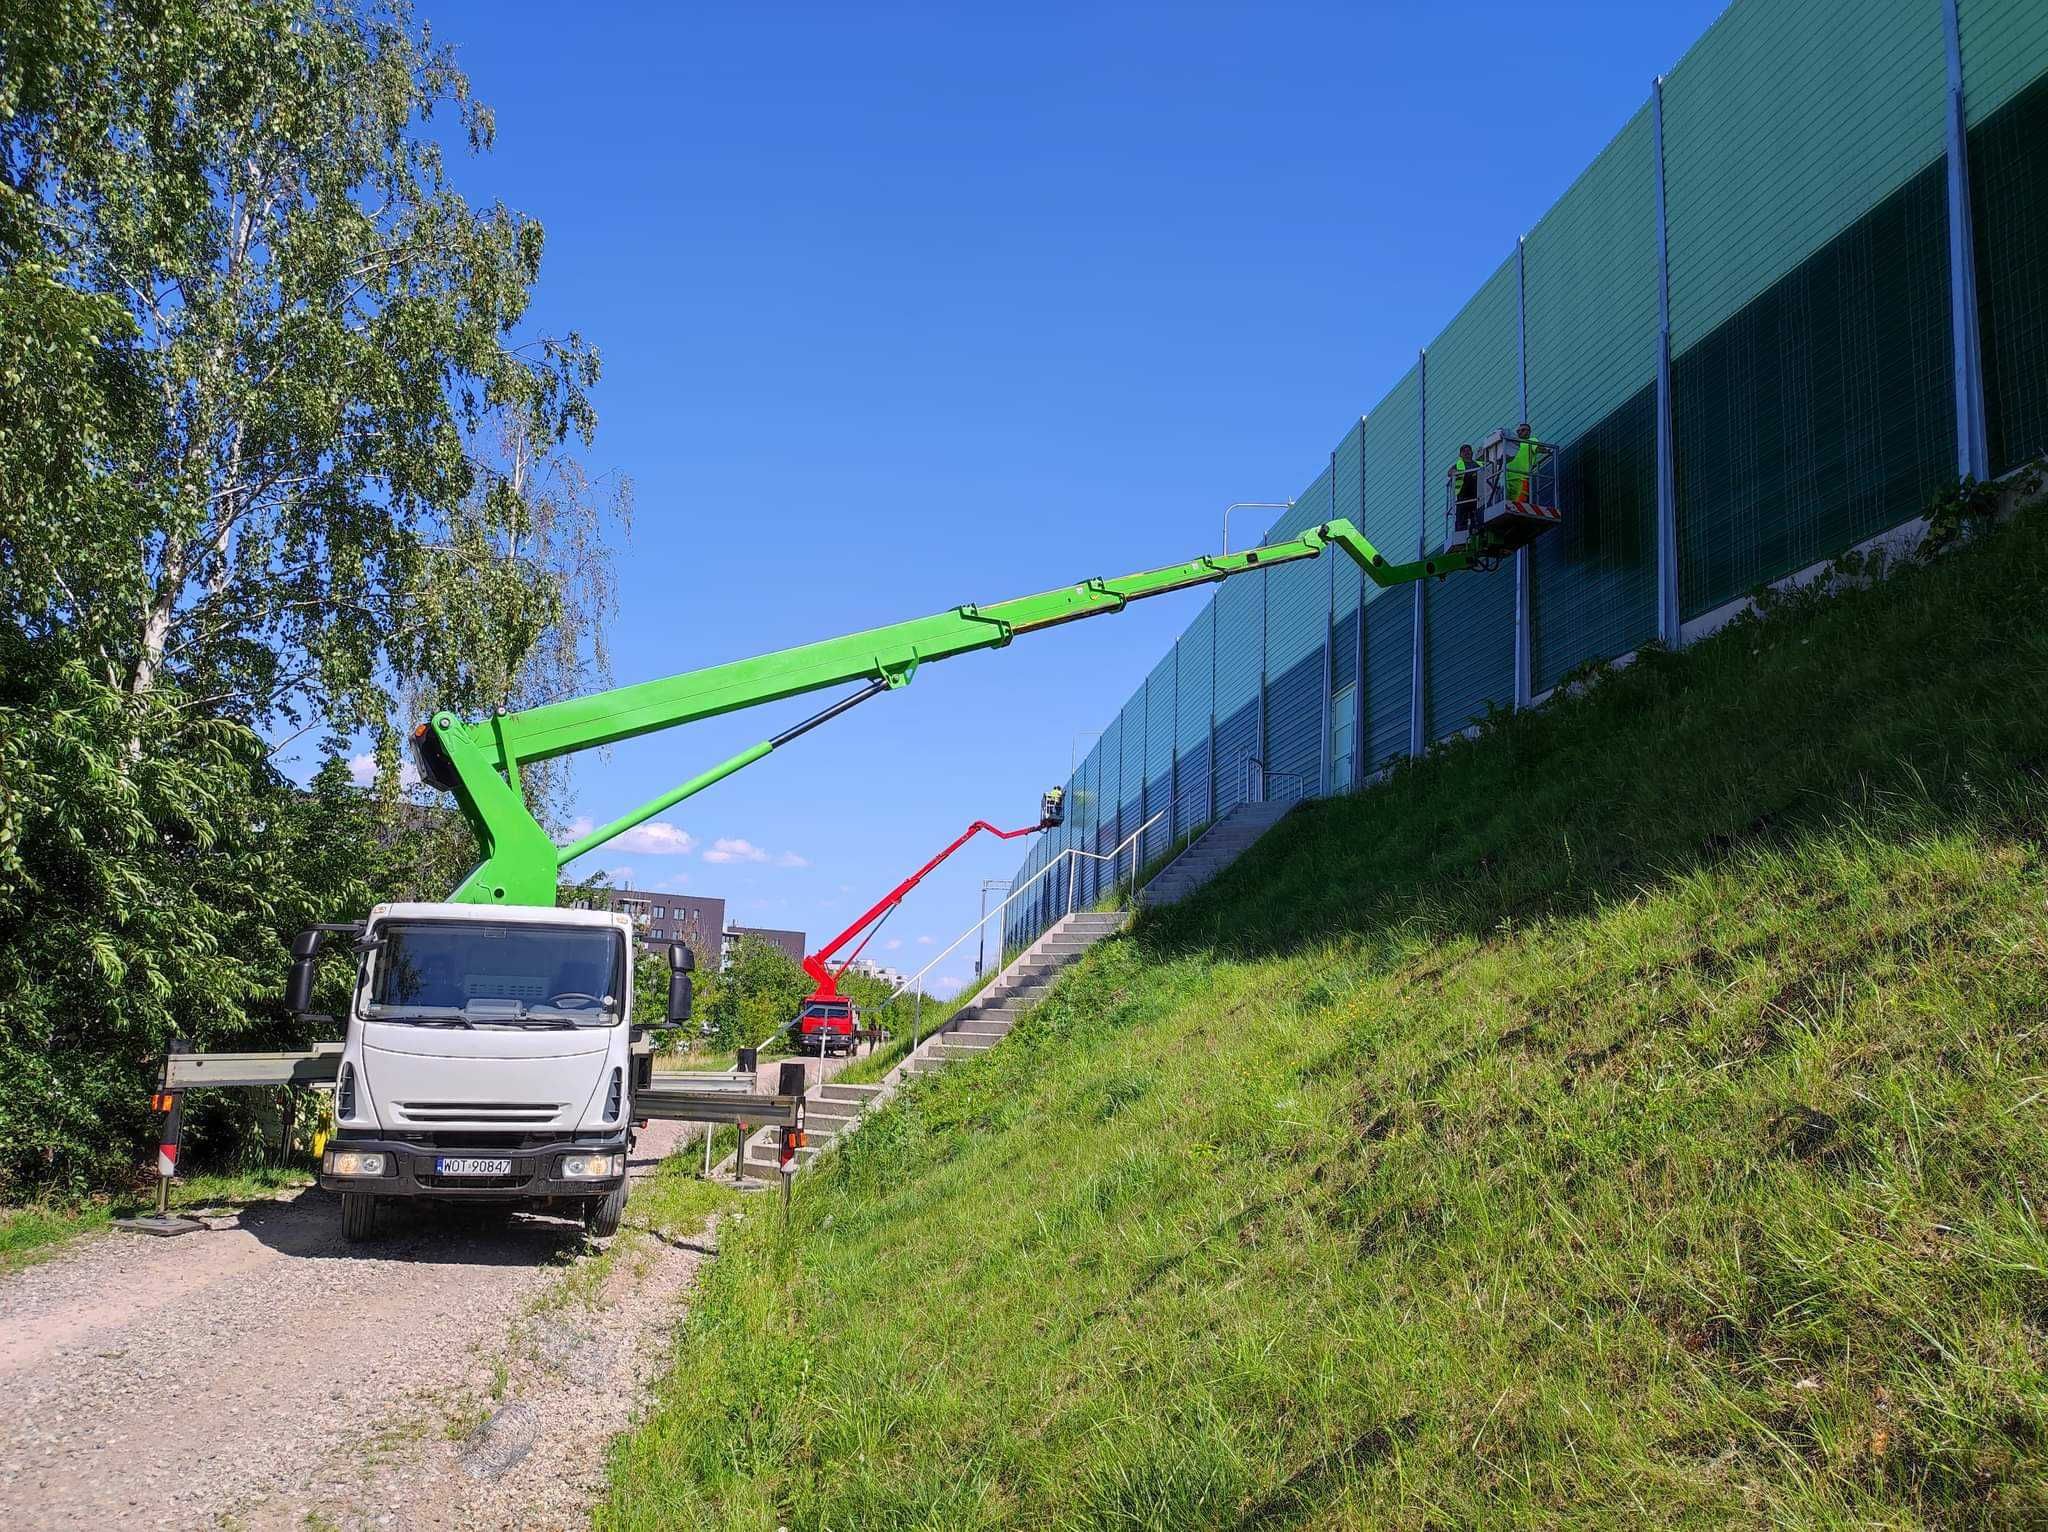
601, 1215
358, 1216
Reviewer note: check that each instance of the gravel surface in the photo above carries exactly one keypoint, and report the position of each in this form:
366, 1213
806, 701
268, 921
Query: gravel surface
262, 1373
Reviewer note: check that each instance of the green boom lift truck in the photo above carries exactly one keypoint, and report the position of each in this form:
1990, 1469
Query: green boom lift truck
489, 1052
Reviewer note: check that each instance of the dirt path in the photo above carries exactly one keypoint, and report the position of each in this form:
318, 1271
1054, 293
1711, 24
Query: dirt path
454, 1373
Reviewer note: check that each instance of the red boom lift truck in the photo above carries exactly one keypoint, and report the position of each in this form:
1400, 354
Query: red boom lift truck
828, 1021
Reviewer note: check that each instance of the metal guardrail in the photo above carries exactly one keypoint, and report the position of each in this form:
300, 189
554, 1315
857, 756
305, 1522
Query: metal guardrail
678, 1105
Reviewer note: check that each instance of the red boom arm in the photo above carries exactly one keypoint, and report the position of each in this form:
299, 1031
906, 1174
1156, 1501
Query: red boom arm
828, 978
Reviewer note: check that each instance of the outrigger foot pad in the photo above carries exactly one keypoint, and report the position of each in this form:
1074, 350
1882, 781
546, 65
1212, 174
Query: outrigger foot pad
162, 1225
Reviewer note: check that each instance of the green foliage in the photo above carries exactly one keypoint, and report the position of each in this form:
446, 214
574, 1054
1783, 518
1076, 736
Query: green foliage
757, 997
1968, 506
153, 867
1632, 1117
275, 459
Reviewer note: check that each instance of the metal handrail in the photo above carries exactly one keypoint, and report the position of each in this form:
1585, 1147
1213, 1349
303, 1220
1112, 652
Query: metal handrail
1300, 780
917, 1021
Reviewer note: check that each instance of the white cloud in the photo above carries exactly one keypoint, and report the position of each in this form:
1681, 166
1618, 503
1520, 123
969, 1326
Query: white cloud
657, 838
621, 877
791, 859
927, 941
362, 770
892, 944
730, 848
670, 885
944, 987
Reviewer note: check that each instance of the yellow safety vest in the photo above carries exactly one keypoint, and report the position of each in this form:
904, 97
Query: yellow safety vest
1520, 466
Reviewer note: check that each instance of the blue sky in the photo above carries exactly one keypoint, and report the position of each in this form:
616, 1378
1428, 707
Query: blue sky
907, 306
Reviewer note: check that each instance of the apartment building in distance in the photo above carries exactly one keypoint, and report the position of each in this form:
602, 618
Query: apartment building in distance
791, 942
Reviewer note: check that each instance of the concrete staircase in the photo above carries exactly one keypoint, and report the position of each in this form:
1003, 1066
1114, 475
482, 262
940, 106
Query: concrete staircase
1215, 849
831, 1109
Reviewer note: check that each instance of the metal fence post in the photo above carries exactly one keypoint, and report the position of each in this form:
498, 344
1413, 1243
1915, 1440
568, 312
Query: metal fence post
1264, 617
1415, 676
1973, 447
1524, 611
1667, 470
1361, 746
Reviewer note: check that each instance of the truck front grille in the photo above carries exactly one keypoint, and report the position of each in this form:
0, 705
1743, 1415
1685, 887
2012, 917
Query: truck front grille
474, 1183
513, 1114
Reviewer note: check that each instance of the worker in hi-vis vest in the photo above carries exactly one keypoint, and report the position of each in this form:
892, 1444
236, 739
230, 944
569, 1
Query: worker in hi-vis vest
1521, 466
1465, 489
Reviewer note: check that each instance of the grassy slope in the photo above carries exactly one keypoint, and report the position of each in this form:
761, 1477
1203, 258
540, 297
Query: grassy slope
1636, 1116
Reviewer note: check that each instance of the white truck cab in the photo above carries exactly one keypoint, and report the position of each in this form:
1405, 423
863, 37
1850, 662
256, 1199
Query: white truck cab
491, 1056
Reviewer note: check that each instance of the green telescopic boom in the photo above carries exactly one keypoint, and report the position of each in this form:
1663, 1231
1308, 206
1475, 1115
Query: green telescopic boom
480, 762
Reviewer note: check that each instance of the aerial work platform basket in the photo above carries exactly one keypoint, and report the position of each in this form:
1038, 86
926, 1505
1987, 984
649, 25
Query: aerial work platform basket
1505, 501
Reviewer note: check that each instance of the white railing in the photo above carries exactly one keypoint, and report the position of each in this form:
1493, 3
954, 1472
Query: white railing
915, 981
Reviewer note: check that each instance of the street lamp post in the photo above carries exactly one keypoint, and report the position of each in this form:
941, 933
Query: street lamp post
988, 886
1250, 505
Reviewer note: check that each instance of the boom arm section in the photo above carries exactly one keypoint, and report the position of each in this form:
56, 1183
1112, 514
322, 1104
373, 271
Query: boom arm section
480, 762
817, 964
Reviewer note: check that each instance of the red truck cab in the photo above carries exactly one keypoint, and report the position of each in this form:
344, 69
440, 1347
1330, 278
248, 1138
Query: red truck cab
826, 1024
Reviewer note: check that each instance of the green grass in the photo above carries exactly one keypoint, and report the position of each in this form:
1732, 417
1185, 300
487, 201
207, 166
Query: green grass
1635, 1116
39, 1230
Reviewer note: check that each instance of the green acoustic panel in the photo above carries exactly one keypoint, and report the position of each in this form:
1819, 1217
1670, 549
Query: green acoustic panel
1389, 631
1392, 486
1297, 622
1593, 581
1468, 649
1240, 636
1161, 699
1137, 720
1347, 476
1785, 124
1108, 790
1823, 411
1347, 494
1591, 290
2005, 50
2009, 205
1474, 384
1195, 659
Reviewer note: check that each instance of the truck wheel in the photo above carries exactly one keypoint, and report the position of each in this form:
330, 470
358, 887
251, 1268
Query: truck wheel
601, 1215
358, 1216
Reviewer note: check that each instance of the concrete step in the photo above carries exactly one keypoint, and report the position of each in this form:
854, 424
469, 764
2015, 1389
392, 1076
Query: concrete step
831, 1090
960, 1050
834, 1114
977, 1029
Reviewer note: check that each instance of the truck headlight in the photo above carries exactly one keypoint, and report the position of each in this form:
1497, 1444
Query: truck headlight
591, 1167
348, 1162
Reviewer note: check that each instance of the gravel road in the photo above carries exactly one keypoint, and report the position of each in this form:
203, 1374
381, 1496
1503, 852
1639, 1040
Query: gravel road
265, 1374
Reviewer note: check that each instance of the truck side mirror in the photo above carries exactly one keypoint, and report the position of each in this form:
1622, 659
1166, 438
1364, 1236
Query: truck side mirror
681, 959
298, 985
679, 999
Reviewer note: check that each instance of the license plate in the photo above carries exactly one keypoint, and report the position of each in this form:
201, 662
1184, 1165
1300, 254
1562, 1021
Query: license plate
452, 1165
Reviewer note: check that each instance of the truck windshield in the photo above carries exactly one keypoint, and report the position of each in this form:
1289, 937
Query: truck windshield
465, 973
